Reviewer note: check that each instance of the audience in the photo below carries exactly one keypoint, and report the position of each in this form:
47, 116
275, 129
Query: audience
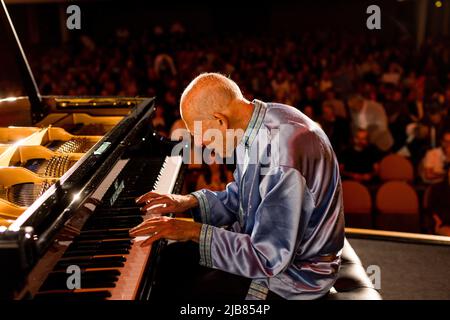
336, 127
360, 161
214, 177
371, 116
437, 161
390, 97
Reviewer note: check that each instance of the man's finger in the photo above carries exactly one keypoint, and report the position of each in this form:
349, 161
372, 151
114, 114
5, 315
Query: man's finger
146, 223
153, 203
156, 200
147, 196
143, 224
153, 238
159, 210
142, 231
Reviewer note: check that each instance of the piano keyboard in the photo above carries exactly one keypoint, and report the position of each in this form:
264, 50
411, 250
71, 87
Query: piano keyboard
112, 263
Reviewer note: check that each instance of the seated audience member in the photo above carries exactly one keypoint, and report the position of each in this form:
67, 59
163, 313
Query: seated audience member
437, 160
398, 117
435, 120
414, 101
393, 74
309, 111
439, 206
417, 143
337, 104
213, 178
336, 128
360, 162
370, 115
310, 100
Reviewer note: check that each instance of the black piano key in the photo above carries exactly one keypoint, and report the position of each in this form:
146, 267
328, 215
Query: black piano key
88, 258
85, 284
96, 251
113, 221
88, 273
94, 246
116, 218
123, 202
73, 295
105, 263
90, 279
112, 243
104, 225
103, 234
118, 211
91, 265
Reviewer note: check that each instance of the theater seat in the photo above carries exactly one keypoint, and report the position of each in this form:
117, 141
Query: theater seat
353, 282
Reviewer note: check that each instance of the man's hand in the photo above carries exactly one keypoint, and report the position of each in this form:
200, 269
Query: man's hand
167, 228
158, 204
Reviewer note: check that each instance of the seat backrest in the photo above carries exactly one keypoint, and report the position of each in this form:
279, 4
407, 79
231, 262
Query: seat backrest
356, 197
397, 207
397, 197
395, 167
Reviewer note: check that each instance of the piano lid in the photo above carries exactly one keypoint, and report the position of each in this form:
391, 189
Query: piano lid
16, 78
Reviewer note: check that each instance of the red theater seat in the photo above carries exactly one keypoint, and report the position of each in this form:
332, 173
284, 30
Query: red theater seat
397, 207
357, 205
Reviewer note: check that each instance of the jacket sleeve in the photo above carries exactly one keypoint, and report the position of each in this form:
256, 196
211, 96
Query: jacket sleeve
270, 247
218, 208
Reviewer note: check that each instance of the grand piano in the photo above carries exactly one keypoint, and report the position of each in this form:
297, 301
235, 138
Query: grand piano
70, 169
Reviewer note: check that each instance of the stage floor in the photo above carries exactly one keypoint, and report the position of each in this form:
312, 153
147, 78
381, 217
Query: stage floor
408, 270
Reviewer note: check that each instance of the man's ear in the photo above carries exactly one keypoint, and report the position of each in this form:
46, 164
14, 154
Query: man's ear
222, 119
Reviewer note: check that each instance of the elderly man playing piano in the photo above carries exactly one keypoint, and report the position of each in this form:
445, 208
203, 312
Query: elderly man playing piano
276, 232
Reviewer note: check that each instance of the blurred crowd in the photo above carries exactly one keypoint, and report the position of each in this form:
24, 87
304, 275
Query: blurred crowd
372, 98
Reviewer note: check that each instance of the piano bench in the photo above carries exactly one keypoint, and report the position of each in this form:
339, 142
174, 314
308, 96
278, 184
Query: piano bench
352, 282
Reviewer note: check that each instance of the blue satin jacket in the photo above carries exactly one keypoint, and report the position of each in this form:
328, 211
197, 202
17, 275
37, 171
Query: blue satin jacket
284, 210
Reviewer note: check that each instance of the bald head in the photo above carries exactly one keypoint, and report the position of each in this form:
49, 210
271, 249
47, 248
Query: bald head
207, 94
214, 103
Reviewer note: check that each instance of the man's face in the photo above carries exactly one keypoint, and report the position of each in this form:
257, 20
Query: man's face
436, 118
214, 135
361, 140
309, 92
328, 113
446, 143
